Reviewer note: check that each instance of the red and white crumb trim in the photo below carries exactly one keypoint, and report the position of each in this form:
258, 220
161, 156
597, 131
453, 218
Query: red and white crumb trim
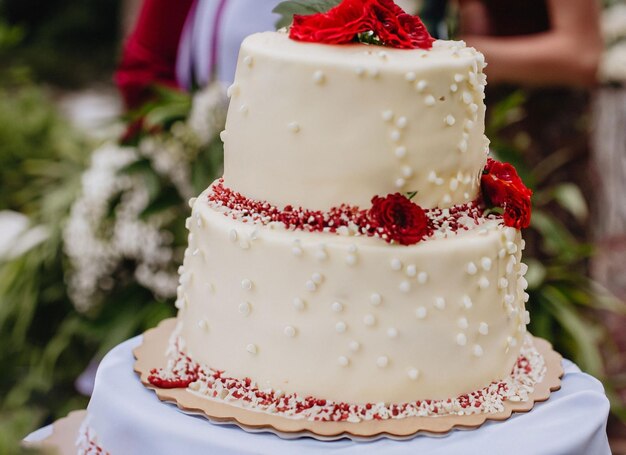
343, 220
87, 441
207, 382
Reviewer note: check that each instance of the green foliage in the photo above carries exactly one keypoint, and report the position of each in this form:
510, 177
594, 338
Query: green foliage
288, 8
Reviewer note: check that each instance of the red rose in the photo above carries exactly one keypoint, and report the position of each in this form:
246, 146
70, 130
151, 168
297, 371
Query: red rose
502, 187
339, 25
395, 28
399, 219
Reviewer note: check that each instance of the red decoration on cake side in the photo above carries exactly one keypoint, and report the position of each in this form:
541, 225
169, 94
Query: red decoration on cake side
401, 220
502, 187
383, 20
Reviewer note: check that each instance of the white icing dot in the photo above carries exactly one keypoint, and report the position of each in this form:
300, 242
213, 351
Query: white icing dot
467, 302
251, 348
336, 307
454, 88
511, 342
446, 199
244, 308
410, 76
522, 283
351, 259
502, 253
483, 328
477, 350
413, 373
246, 284
243, 109
473, 107
375, 299
449, 120
511, 247
421, 312
319, 77
387, 115
462, 323
232, 235
343, 361
382, 361
310, 286
400, 152
354, 346
432, 176
400, 182
467, 97
232, 90
203, 324
523, 268
223, 136
392, 332
401, 122
421, 85
195, 252
503, 283
509, 299
411, 270
369, 320
459, 78
340, 327
454, 184
297, 251
485, 263
396, 264
463, 147
289, 331
298, 304
407, 171
359, 71
422, 277
394, 135
483, 282
405, 286
317, 278
440, 303
469, 125
526, 297
352, 248
461, 339
247, 60
471, 268
526, 317
429, 100
294, 127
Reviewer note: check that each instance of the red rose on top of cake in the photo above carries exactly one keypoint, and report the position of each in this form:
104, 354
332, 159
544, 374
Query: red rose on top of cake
345, 22
398, 219
502, 187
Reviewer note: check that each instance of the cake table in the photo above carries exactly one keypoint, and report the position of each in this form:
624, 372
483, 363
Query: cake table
572, 421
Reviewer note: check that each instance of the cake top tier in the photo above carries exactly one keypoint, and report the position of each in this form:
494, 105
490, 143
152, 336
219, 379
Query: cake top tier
318, 125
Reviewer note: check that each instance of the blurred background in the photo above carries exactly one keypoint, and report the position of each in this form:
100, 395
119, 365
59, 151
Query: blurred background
93, 200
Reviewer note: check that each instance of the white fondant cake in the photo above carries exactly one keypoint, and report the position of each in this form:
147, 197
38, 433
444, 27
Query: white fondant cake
331, 313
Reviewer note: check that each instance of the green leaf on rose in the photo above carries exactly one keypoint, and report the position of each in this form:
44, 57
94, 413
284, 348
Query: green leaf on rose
287, 9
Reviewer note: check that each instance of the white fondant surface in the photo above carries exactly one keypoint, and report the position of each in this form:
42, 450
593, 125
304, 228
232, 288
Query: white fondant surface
129, 419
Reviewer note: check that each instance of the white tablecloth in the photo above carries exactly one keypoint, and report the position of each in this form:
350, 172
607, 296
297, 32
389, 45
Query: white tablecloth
130, 419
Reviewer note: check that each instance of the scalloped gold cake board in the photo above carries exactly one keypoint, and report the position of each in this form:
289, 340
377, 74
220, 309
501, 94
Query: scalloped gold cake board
62, 441
151, 354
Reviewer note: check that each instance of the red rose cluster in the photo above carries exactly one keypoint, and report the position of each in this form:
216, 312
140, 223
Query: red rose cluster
502, 187
400, 220
341, 24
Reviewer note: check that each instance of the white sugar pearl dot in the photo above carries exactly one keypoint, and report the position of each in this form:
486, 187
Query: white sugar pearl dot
411, 270
462, 323
382, 361
485, 263
512, 342
461, 339
392, 332
223, 136
290, 331
525, 297
298, 304
407, 171
405, 286
454, 184
310, 286
526, 317
511, 248
467, 301
483, 328
396, 264
232, 235
247, 60
422, 277
340, 327
394, 135
503, 283
336, 307
502, 253
351, 259
343, 361
233, 90
467, 97
387, 115
369, 320
297, 251
375, 299
421, 312
471, 268
469, 125
450, 120
246, 284
294, 127
243, 109
413, 373
429, 100
454, 88
400, 152
251, 348
483, 282
463, 149
440, 303
203, 324
509, 299
244, 308
410, 76
477, 350
400, 182
421, 85
317, 278
321, 255
523, 268
401, 122
354, 346
319, 77
459, 78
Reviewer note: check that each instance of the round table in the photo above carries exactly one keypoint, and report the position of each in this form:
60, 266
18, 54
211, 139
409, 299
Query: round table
128, 418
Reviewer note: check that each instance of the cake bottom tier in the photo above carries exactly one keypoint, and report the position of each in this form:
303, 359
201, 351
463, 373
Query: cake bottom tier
126, 418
